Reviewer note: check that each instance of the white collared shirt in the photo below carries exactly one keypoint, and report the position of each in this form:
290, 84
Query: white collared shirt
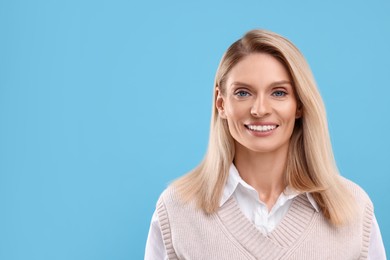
255, 210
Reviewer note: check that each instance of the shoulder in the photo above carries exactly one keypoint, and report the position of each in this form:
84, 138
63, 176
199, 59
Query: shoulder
169, 196
365, 213
171, 201
356, 191
364, 205
174, 213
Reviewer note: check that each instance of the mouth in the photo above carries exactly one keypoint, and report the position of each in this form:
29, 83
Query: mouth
261, 128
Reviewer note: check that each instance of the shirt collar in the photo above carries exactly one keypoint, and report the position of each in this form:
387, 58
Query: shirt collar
234, 179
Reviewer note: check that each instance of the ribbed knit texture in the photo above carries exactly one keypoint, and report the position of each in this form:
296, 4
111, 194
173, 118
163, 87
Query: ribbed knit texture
303, 233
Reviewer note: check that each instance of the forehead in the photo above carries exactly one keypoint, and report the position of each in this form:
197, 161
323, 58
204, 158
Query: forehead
258, 68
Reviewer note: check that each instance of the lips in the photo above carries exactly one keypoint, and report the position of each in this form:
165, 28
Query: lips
261, 128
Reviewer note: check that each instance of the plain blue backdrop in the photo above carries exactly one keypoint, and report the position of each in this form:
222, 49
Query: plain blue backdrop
103, 103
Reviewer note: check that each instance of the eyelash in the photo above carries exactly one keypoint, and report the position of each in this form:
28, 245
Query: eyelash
283, 93
277, 93
241, 92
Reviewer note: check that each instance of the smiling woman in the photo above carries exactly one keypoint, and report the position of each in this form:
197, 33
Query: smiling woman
268, 187
259, 101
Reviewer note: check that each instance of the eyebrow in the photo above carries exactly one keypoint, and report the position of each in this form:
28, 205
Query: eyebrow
240, 84
282, 82
273, 84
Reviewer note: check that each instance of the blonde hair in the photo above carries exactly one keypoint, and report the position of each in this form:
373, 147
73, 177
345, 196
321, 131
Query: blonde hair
310, 163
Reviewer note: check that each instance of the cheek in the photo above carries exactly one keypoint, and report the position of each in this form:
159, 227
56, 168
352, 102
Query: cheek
235, 115
290, 111
236, 110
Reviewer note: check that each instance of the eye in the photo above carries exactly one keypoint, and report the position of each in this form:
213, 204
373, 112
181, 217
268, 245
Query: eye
242, 93
279, 93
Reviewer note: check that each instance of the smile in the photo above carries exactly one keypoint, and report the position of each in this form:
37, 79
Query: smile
261, 128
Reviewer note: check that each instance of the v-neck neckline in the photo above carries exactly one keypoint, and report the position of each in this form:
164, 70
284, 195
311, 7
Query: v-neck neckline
277, 243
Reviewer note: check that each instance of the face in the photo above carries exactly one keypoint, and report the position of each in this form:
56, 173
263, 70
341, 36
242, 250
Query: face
259, 104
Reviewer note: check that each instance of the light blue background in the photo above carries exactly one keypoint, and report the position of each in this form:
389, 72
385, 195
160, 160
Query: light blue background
103, 103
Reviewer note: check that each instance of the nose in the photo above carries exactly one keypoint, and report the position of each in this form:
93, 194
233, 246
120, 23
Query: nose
260, 107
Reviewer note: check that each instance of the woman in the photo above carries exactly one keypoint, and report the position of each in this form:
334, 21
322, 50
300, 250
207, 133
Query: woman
268, 187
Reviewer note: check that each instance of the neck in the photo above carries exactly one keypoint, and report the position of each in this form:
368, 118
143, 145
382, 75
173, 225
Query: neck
265, 172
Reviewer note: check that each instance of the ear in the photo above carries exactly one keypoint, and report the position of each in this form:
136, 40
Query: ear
298, 113
219, 104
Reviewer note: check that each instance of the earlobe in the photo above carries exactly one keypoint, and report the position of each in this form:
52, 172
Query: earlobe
219, 104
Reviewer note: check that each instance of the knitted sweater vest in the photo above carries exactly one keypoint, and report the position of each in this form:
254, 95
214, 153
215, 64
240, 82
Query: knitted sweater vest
303, 233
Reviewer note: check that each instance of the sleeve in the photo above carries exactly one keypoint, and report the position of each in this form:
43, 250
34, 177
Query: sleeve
155, 249
376, 249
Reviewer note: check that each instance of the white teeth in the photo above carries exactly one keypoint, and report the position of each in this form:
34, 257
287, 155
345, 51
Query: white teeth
261, 128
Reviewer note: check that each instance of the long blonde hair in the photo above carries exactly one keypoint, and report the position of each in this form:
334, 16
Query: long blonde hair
310, 164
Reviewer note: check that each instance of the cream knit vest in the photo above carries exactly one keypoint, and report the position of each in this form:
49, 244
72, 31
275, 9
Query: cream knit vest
303, 233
